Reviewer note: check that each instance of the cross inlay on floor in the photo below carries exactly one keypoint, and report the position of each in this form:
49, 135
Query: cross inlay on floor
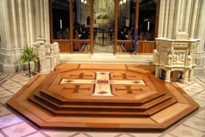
103, 83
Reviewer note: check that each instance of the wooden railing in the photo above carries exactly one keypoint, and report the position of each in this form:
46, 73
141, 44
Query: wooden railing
124, 45
146, 46
64, 45
82, 45
142, 46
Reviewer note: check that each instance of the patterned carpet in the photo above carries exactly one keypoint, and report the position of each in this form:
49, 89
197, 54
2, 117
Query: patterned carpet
13, 125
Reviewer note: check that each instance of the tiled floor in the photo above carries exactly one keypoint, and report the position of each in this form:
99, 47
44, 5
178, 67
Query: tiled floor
13, 125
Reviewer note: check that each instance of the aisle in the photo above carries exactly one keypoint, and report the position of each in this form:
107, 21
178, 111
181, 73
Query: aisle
103, 49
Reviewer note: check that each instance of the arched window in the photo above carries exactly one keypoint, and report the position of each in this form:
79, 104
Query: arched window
60, 19
78, 26
147, 19
137, 25
81, 25
126, 25
60, 23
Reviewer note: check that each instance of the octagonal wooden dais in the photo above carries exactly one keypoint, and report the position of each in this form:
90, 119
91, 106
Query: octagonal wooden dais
101, 96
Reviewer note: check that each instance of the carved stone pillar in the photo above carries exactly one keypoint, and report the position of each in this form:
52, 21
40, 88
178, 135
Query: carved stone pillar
168, 74
191, 74
185, 76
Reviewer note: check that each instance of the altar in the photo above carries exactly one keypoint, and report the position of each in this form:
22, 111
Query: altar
103, 22
104, 36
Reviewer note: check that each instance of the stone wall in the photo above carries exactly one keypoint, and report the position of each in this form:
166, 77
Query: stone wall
22, 22
184, 20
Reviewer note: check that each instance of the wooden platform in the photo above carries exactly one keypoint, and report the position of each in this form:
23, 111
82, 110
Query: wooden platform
101, 96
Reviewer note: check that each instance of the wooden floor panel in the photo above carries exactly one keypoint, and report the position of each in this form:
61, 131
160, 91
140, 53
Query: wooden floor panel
140, 102
89, 105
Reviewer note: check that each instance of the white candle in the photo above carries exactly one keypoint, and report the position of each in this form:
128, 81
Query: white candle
148, 25
61, 24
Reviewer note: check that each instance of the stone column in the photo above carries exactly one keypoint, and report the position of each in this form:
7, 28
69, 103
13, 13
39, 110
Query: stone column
8, 43
185, 76
191, 74
19, 27
200, 33
168, 74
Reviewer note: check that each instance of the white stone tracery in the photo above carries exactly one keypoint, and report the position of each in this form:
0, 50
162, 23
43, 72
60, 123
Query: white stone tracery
184, 20
48, 54
175, 55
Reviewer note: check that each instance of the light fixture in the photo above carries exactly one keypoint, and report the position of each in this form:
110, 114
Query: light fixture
121, 2
84, 1
124, 1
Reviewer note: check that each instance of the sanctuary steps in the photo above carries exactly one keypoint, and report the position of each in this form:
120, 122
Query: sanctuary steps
90, 97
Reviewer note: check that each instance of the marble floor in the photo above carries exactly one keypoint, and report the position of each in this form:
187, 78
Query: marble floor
13, 125
103, 49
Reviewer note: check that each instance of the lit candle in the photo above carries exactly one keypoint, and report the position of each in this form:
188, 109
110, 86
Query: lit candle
61, 24
148, 25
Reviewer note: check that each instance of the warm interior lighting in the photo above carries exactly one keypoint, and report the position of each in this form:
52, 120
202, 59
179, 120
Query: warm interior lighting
84, 1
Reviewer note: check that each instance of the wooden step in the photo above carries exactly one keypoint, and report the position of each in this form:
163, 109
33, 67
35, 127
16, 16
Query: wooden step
46, 115
84, 113
145, 106
91, 101
102, 112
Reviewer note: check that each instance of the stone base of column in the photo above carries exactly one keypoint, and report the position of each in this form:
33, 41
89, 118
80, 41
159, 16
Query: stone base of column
8, 68
200, 65
9, 59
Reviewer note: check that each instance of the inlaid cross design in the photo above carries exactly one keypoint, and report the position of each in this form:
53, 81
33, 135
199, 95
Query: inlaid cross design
103, 83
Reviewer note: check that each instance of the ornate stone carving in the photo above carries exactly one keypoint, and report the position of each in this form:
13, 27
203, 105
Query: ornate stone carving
175, 55
48, 54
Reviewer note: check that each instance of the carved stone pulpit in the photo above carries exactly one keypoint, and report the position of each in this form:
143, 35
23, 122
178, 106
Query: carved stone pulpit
175, 55
47, 53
